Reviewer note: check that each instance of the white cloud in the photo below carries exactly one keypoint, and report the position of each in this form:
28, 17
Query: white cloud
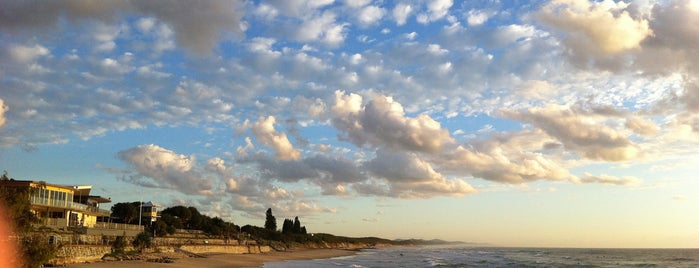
357, 3
299, 8
323, 28
411, 35
477, 17
370, 15
382, 122
150, 71
401, 12
437, 9
515, 159
159, 167
641, 126
587, 135
265, 133
408, 176
27, 54
607, 179
355, 59
105, 36
436, 49
145, 25
113, 66
3, 110
606, 25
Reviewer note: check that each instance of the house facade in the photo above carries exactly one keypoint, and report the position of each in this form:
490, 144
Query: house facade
61, 206
149, 211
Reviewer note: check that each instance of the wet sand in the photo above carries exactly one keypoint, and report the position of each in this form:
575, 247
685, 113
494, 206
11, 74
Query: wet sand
225, 260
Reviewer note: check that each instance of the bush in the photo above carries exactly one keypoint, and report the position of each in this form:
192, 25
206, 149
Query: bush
142, 241
119, 245
37, 250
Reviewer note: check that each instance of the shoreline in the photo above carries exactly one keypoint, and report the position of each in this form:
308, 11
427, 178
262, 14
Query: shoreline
228, 260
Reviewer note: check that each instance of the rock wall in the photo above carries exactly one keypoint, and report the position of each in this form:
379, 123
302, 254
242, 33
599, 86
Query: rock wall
234, 249
80, 253
166, 241
68, 254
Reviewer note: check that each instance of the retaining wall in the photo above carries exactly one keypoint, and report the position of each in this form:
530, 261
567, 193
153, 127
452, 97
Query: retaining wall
198, 249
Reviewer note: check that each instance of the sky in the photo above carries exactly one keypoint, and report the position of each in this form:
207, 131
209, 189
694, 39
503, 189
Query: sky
563, 123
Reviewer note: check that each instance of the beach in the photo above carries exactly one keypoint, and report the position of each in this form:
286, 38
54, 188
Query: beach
225, 260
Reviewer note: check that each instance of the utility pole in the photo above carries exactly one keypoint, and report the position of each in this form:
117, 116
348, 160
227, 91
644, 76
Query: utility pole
140, 208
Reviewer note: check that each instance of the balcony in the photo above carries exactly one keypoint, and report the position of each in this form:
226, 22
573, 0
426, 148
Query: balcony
40, 201
118, 226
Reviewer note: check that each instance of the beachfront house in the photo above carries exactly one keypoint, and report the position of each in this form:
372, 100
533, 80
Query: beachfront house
149, 211
61, 206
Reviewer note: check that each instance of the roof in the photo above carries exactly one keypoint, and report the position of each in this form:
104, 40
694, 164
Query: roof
99, 199
78, 190
82, 189
150, 204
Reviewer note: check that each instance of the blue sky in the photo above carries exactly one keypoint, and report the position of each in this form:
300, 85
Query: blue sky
545, 123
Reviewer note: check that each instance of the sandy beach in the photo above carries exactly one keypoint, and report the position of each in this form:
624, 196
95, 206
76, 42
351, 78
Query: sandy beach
225, 260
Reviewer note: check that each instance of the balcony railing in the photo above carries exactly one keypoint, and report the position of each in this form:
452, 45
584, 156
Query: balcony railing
35, 200
118, 226
63, 222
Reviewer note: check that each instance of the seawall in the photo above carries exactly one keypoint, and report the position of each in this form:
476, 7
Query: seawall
93, 253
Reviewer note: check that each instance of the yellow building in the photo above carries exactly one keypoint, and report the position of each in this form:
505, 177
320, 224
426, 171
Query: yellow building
62, 206
149, 211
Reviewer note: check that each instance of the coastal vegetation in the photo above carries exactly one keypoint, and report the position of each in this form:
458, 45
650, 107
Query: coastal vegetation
36, 248
32, 241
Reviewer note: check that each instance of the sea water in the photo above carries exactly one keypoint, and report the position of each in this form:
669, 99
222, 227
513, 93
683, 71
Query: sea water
505, 257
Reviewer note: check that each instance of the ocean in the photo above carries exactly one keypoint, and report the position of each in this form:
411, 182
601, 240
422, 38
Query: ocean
454, 256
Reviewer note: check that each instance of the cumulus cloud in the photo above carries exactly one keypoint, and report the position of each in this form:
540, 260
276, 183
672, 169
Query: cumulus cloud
641, 126
436, 10
382, 122
513, 158
605, 25
27, 54
401, 12
370, 15
408, 176
212, 183
197, 25
587, 135
330, 173
673, 47
477, 17
265, 133
323, 28
159, 167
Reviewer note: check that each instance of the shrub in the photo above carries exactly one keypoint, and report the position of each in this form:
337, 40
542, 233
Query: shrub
142, 241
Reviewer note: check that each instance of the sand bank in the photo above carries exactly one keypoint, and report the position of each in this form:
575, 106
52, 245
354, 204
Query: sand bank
225, 260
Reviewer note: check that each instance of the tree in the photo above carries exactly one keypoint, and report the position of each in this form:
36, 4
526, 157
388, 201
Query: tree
287, 226
162, 227
297, 226
181, 212
18, 206
270, 221
126, 212
34, 245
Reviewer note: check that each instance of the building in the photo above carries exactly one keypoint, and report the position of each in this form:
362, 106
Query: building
149, 211
60, 206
